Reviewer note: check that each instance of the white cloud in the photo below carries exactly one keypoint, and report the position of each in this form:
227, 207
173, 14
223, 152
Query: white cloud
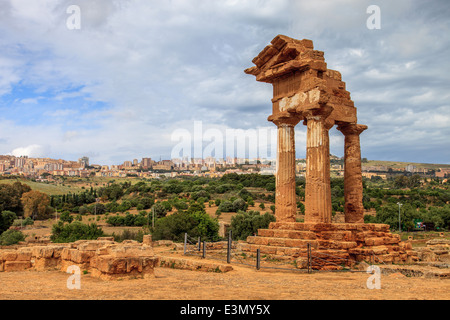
34, 150
154, 66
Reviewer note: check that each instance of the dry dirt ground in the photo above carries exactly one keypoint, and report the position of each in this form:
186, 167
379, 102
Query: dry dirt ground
242, 283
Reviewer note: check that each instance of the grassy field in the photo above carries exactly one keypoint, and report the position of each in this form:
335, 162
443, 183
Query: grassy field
398, 164
48, 188
73, 185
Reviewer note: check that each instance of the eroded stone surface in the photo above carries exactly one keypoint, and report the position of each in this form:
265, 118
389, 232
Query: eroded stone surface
332, 245
102, 258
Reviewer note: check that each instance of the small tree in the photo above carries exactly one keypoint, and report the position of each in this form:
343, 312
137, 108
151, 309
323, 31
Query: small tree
35, 204
160, 210
246, 224
6, 220
10, 237
66, 217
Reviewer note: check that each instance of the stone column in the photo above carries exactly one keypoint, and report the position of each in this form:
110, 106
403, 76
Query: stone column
285, 197
317, 188
353, 187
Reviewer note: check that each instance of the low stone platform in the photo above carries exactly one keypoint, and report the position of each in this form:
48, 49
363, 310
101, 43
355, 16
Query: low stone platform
332, 245
193, 265
102, 258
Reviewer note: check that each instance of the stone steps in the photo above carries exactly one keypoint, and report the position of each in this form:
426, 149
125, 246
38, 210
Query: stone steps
273, 250
301, 243
291, 234
335, 243
317, 227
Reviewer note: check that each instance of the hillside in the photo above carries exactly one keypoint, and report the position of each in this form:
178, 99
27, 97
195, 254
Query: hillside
399, 164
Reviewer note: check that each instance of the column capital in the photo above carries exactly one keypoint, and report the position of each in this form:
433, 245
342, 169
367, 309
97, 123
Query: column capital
319, 114
284, 119
351, 128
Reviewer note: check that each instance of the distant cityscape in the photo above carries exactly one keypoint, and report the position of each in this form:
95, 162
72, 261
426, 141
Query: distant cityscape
47, 168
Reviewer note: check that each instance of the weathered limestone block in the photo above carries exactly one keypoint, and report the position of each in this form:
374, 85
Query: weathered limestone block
181, 263
24, 254
147, 239
51, 251
301, 263
330, 244
131, 251
374, 241
438, 242
336, 235
8, 255
77, 256
405, 245
106, 239
111, 267
10, 266
93, 245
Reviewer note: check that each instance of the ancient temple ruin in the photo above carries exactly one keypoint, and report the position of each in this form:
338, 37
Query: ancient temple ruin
304, 89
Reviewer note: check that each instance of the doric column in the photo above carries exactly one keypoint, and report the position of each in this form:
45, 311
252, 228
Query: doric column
285, 197
353, 187
317, 188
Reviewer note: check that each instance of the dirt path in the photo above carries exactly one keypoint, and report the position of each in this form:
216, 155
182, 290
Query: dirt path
240, 284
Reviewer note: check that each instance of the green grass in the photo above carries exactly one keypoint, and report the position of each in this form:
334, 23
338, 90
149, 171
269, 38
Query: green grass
399, 164
48, 188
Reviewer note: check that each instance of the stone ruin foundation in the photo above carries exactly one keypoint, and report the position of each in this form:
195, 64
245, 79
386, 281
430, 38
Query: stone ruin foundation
102, 258
304, 89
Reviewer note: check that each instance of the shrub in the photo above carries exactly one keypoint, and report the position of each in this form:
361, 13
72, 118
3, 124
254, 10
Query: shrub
6, 220
115, 221
83, 210
160, 210
167, 205
129, 220
66, 217
174, 227
246, 224
226, 206
239, 204
23, 222
97, 208
129, 235
74, 231
10, 237
180, 204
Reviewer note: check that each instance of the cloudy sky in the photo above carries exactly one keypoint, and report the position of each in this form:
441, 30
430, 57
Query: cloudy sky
138, 75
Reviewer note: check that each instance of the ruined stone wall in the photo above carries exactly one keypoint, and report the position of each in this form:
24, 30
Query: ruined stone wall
102, 258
